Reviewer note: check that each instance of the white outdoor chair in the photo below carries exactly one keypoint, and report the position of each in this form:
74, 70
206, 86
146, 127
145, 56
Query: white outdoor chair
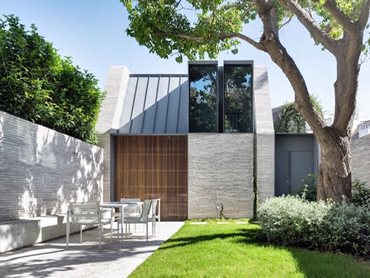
88, 214
143, 218
132, 210
155, 215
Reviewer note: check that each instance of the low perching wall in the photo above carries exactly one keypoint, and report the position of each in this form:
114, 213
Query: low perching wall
42, 170
361, 159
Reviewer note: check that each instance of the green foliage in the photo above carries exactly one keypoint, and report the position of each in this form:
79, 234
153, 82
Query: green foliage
157, 25
309, 190
205, 27
291, 121
40, 86
335, 227
360, 193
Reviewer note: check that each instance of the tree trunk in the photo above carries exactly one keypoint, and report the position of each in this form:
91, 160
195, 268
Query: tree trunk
335, 180
335, 170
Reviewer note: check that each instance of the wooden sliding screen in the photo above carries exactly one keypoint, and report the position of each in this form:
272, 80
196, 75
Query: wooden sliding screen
148, 167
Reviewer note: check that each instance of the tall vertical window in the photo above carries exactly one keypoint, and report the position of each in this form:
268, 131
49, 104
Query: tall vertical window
203, 97
238, 98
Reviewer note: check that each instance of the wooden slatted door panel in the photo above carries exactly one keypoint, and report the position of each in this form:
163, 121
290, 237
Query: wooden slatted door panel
148, 167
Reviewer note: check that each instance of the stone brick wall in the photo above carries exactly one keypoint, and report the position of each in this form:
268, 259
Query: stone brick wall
220, 171
104, 142
42, 170
108, 120
265, 135
361, 159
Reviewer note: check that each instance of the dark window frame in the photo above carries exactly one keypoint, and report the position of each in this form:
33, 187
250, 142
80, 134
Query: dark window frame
238, 63
205, 64
220, 91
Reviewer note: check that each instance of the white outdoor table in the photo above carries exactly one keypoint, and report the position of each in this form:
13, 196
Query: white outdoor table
120, 206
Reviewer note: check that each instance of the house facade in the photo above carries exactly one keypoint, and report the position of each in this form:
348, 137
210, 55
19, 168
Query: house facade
197, 140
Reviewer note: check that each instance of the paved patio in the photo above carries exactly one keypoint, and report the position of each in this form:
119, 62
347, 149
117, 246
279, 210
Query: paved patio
113, 259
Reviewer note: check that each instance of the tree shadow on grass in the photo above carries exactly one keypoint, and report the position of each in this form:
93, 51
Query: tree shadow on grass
312, 263
248, 236
308, 262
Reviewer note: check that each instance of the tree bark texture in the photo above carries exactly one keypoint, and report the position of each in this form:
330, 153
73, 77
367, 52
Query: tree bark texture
335, 181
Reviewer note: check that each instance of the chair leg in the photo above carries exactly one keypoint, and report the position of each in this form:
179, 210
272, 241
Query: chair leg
146, 231
100, 232
111, 229
67, 232
153, 228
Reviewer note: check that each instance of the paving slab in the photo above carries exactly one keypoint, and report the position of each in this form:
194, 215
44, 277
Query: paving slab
115, 258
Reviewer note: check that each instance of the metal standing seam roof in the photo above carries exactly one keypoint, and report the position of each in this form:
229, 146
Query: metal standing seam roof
155, 104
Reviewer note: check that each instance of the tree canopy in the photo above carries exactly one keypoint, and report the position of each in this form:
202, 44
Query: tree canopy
37, 84
196, 28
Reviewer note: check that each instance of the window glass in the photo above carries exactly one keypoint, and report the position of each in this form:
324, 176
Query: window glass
203, 98
238, 102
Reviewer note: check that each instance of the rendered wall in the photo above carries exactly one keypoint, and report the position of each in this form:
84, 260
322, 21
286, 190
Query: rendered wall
361, 159
220, 171
265, 135
42, 170
108, 119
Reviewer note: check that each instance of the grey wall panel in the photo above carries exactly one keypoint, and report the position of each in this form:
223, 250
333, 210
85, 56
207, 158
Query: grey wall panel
128, 105
141, 92
183, 118
149, 119
173, 105
220, 172
265, 134
42, 170
288, 177
151, 96
104, 141
150, 105
137, 124
361, 159
162, 103
111, 108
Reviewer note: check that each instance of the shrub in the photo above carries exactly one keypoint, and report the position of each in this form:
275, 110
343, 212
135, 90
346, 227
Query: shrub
361, 194
38, 85
309, 190
335, 227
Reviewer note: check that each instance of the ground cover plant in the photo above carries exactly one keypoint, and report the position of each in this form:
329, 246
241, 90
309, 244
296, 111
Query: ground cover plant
234, 250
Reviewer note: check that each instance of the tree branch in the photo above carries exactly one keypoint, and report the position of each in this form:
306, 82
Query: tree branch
281, 58
307, 21
251, 41
200, 39
364, 16
340, 16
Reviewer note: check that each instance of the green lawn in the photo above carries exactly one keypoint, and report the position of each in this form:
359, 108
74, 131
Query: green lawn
232, 250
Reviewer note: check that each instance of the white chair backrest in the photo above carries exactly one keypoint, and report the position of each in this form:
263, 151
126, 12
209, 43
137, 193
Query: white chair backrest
129, 200
145, 212
155, 207
84, 208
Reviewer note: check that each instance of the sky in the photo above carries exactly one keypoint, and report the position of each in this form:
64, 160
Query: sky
92, 33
